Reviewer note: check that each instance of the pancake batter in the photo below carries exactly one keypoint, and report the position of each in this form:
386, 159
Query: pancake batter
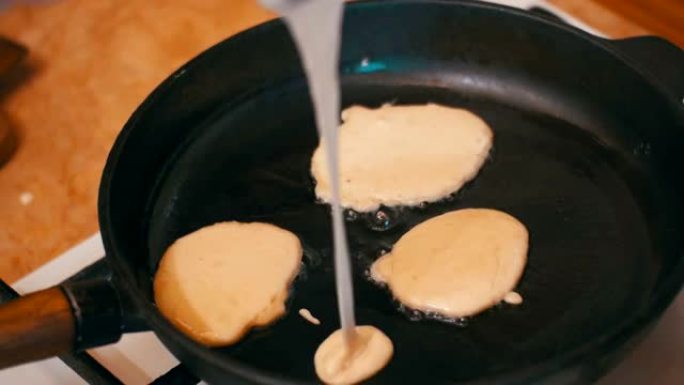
306, 314
513, 298
403, 155
339, 363
220, 281
456, 264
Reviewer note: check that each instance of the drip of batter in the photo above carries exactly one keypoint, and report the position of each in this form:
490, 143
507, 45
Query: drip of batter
341, 363
403, 155
306, 314
456, 264
315, 27
513, 298
218, 282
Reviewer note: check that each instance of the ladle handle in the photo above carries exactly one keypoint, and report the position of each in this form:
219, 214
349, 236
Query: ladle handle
71, 317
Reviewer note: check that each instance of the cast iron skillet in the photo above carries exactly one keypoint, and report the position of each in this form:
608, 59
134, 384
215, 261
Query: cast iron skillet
588, 141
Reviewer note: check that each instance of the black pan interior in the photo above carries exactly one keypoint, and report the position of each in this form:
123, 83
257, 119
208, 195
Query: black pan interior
583, 156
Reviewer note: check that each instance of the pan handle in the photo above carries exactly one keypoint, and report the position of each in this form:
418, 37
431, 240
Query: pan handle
73, 316
662, 59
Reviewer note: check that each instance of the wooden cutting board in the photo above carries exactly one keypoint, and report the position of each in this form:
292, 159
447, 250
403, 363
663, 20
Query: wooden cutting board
91, 64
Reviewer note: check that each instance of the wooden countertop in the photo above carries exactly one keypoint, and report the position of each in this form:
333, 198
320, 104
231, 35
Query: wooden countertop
92, 63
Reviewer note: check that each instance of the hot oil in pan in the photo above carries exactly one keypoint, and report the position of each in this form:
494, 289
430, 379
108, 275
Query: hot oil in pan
588, 235
245, 165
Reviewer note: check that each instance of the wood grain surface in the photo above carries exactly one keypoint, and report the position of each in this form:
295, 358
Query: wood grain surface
660, 17
600, 17
627, 18
92, 63
36, 326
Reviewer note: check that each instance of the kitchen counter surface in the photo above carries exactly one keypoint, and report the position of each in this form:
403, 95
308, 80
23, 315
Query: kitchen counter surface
91, 64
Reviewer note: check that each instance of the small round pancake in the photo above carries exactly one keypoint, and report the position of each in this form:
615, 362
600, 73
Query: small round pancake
456, 264
218, 282
403, 155
370, 351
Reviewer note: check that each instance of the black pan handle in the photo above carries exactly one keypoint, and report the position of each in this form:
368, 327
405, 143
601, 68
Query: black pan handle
98, 314
131, 321
662, 59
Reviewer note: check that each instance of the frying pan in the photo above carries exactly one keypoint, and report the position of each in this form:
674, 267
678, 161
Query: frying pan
587, 154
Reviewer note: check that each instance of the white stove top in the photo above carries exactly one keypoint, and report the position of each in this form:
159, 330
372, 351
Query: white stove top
139, 358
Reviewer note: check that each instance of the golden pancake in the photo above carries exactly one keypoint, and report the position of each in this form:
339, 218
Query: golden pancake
218, 282
403, 155
456, 264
